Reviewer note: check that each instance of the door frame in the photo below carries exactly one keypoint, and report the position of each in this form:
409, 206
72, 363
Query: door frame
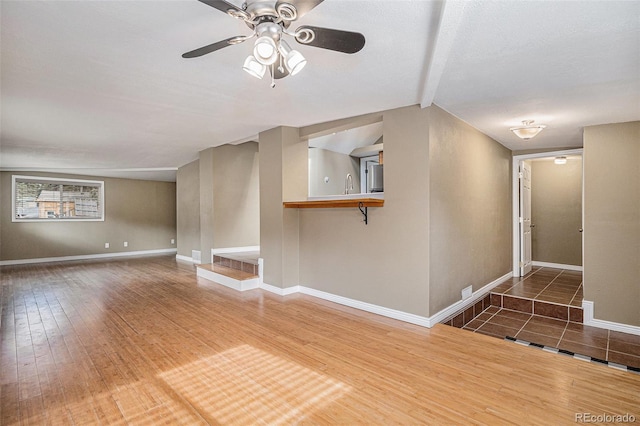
364, 177
515, 197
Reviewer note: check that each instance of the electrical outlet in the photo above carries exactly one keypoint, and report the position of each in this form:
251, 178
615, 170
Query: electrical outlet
106, 245
126, 244
173, 241
467, 292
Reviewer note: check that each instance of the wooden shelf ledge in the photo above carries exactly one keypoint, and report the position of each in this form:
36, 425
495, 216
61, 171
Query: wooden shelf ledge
331, 204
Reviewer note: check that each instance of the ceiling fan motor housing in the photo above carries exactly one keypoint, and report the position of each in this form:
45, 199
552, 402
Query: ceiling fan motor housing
265, 11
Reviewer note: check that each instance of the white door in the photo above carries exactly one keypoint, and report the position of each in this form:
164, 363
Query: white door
525, 218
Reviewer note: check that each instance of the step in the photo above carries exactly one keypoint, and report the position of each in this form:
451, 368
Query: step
538, 307
244, 261
228, 277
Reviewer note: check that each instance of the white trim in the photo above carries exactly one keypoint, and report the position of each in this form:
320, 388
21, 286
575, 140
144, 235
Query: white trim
240, 285
87, 257
184, 258
388, 312
280, 291
557, 266
364, 306
461, 305
235, 249
588, 319
516, 200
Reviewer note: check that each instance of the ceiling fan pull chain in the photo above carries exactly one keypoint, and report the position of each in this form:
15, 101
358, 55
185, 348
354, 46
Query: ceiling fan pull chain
273, 80
280, 67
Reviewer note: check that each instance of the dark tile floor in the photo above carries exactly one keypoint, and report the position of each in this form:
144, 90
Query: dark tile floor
546, 284
607, 345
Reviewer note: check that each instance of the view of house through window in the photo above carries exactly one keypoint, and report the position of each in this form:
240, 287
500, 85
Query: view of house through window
37, 198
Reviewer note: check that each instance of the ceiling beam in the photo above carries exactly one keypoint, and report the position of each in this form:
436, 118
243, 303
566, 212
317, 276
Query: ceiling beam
450, 18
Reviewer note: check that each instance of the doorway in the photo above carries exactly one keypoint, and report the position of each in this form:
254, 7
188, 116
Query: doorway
524, 226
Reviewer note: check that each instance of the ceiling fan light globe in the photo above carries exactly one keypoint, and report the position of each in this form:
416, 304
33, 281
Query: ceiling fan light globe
253, 67
265, 50
295, 62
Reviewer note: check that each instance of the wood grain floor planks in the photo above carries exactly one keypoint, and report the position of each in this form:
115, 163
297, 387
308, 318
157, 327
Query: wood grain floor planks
145, 341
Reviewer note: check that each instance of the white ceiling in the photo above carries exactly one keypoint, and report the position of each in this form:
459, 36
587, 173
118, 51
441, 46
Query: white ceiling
346, 141
101, 85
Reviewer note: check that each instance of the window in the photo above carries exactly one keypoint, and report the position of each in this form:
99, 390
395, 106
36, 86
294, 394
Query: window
54, 199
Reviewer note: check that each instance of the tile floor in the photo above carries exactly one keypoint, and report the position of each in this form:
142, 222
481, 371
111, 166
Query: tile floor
546, 284
607, 345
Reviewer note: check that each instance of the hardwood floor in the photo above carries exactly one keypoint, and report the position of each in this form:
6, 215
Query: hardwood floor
144, 341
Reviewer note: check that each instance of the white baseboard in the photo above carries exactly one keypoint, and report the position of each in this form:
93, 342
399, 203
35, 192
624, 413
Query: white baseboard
235, 249
364, 306
87, 257
588, 319
388, 312
184, 258
243, 285
376, 309
557, 266
461, 305
278, 290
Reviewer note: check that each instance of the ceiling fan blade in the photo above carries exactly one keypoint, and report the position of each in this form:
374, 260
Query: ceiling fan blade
221, 5
302, 6
208, 48
327, 38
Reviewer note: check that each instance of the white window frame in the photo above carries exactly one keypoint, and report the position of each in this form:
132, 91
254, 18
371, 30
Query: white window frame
63, 181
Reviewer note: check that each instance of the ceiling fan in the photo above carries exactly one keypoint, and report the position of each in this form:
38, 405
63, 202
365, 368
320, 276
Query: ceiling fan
270, 20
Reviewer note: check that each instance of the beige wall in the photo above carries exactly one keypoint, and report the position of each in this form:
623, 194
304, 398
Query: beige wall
236, 196
206, 176
334, 165
556, 211
470, 209
387, 261
446, 222
188, 208
283, 177
143, 213
612, 221
219, 200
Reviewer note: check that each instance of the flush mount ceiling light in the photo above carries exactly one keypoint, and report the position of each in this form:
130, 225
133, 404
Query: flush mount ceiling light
560, 160
528, 130
270, 20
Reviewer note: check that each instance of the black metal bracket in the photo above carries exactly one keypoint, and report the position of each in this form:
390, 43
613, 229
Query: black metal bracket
364, 212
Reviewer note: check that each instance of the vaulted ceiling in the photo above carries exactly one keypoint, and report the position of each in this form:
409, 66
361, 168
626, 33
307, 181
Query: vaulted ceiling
100, 87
